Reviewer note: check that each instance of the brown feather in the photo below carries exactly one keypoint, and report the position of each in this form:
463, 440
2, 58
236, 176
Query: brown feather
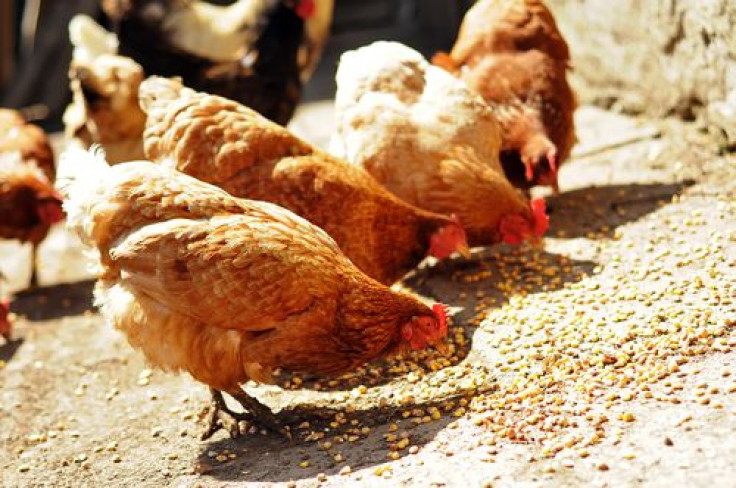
513, 54
229, 289
231, 146
27, 174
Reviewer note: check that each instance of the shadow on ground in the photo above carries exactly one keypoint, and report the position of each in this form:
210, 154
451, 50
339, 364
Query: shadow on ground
596, 211
8, 350
494, 275
349, 444
53, 302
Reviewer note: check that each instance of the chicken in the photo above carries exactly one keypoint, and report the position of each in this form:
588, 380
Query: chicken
29, 204
424, 136
229, 289
513, 54
104, 108
257, 52
231, 146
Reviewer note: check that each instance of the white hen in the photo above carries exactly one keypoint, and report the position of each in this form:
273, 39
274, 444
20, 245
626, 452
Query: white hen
427, 138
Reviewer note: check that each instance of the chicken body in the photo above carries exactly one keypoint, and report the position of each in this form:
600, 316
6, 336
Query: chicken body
249, 51
104, 108
231, 146
512, 53
29, 205
428, 139
31, 141
228, 289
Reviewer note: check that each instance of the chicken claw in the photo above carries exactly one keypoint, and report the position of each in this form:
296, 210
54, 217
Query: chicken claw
261, 415
221, 416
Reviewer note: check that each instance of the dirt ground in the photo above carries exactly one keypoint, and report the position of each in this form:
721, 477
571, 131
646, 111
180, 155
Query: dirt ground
605, 359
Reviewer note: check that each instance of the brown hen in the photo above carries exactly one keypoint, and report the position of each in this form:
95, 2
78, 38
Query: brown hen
513, 54
229, 289
224, 143
29, 204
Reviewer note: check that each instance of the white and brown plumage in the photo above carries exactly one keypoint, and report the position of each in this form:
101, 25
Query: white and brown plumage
430, 140
229, 289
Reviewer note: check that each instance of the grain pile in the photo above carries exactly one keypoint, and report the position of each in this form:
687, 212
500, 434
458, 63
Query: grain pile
558, 363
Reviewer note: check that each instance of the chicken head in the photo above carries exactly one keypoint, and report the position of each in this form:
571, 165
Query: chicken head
449, 239
423, 331
515, 228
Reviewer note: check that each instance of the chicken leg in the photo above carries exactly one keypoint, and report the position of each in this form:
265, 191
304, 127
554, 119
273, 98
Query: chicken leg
222, 417
34, 273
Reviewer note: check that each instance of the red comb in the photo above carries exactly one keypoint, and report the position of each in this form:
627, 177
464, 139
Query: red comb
539, 215
440, 310
306, 8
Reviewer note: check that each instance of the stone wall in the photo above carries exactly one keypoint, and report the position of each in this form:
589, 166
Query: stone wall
659, 57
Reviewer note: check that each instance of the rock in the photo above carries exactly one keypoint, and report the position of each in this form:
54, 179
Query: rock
665, 57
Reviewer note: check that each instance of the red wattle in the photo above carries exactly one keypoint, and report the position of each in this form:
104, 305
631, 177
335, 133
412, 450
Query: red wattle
539, 213
529, 172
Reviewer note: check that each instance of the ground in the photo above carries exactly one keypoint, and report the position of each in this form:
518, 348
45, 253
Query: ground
604, 359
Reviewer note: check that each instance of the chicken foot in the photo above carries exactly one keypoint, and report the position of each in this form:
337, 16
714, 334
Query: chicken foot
34, 273
222, 417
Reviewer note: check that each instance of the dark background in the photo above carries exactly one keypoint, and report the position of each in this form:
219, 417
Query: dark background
35, 49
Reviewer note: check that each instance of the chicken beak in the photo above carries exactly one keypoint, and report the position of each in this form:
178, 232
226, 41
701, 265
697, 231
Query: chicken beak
443, 348
556, 187
536, 242
464, 251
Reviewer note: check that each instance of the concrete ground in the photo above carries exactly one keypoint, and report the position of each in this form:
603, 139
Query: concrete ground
605, 359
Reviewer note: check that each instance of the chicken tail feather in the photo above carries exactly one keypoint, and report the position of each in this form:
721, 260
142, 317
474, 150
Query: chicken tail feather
77, 176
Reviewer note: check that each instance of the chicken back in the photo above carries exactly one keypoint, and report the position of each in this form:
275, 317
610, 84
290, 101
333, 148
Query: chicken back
226, 144
248, 51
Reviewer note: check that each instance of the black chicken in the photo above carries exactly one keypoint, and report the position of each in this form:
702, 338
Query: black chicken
251, 51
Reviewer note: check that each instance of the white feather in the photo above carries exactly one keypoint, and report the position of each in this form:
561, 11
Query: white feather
78, 178
90, 40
